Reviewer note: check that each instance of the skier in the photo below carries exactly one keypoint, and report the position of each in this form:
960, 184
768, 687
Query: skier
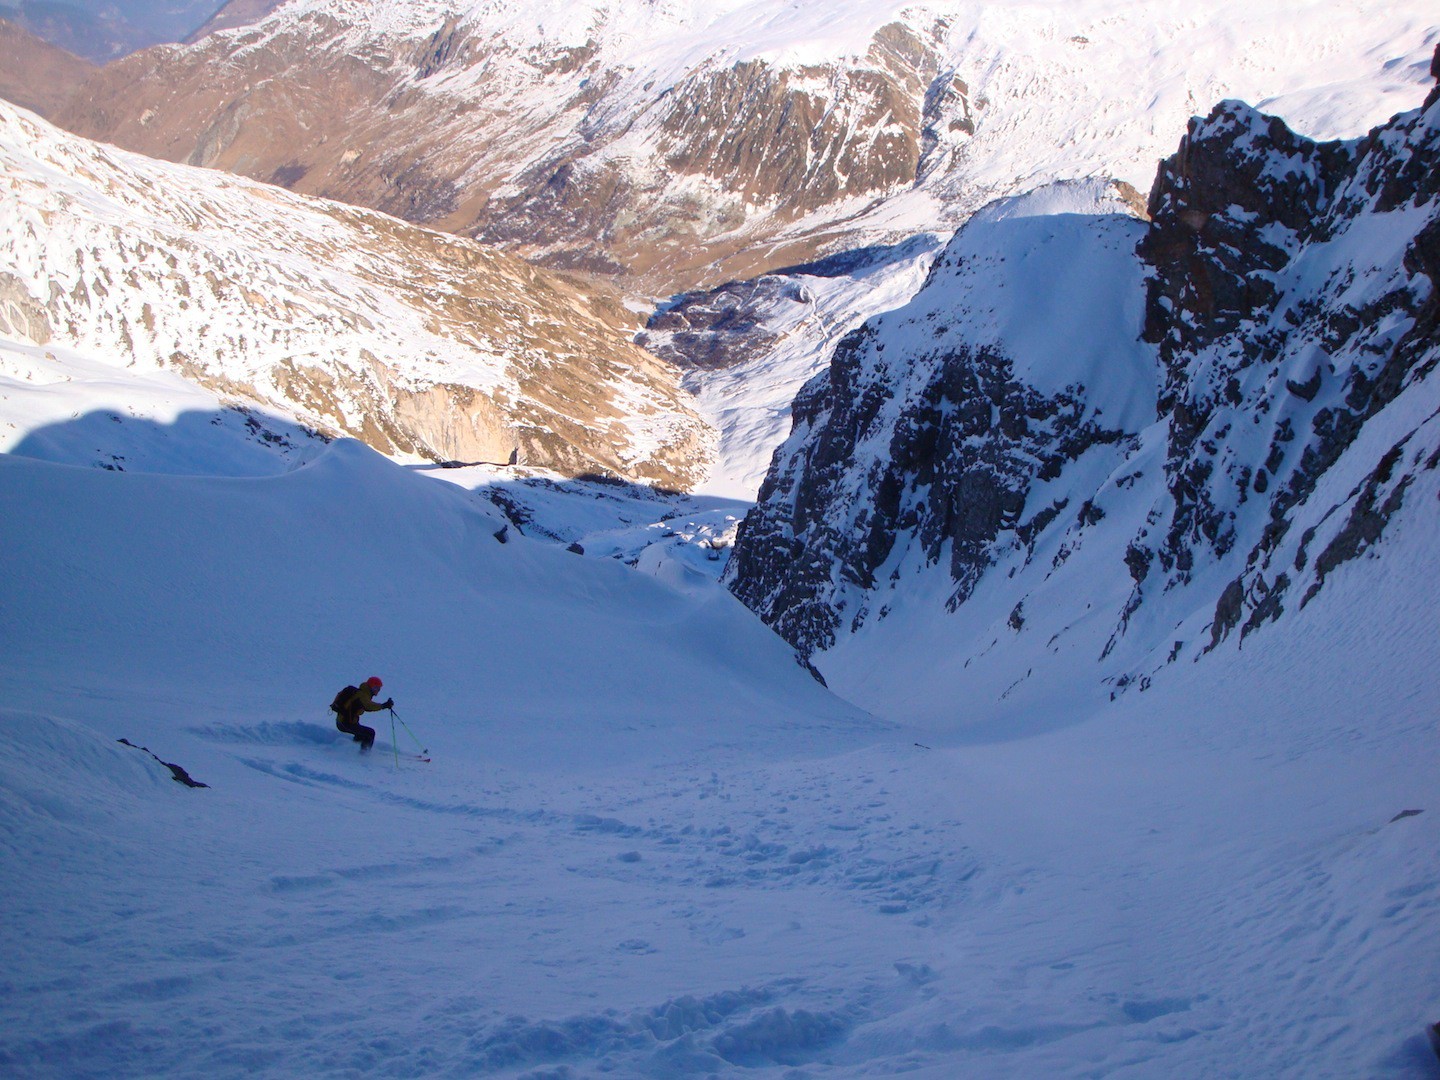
347, 712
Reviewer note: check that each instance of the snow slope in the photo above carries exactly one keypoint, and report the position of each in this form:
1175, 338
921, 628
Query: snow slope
649, 844
60, 405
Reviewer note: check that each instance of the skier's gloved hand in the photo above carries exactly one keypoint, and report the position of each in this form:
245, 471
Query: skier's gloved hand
389, 704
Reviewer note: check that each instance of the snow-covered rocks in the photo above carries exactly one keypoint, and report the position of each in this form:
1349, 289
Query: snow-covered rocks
1292, 302
347, 320
1165, 444
923, 440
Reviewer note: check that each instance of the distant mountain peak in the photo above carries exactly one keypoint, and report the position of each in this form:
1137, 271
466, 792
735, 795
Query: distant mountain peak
684, 144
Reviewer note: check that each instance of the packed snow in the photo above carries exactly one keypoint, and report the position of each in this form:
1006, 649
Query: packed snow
648, 843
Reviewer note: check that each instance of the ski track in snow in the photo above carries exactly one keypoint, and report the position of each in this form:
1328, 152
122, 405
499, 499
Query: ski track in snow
700, 917
665, 869
704, 867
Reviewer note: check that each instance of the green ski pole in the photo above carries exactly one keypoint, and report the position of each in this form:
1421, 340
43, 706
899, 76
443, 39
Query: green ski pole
396, 716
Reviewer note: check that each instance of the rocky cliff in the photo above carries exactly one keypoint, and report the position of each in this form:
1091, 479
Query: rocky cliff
355, 322
1293, 302
922, 440
1121, 441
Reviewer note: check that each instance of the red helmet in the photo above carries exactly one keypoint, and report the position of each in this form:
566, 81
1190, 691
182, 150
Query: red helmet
374, 682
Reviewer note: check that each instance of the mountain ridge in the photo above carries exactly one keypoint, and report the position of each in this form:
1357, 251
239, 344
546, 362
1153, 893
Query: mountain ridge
687, 145
36, 74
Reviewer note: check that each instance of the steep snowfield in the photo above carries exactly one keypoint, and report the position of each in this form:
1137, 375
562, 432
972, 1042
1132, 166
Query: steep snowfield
648, 843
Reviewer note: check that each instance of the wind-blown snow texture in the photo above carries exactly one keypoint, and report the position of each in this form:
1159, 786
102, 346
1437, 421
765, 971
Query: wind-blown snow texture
649, 844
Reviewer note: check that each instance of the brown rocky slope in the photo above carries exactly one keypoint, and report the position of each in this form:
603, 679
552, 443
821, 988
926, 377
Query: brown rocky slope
417, 342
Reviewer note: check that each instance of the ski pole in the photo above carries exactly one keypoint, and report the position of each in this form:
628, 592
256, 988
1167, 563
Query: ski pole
394, 747
396, 716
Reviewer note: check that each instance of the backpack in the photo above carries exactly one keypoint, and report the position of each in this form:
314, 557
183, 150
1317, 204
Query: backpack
343, 698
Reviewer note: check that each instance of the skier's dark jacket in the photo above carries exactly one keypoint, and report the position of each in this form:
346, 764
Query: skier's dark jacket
363, 700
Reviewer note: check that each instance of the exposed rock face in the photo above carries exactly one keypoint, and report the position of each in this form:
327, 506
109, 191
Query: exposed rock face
413, 341
722, 327
947, 474
1254, 341
21, 315
921, 443
521, 144
1280, 313
732, 155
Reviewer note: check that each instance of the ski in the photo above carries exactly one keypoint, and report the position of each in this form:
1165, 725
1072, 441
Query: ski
423, 756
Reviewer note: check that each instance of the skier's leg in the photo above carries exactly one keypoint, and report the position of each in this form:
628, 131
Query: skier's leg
350, 725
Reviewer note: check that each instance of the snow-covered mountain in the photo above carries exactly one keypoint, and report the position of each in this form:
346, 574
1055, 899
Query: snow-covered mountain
693, 142
343, 319
1121, 529
1093, 446
700, 151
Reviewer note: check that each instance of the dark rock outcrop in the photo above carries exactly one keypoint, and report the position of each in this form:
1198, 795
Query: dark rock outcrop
1248, 339
952, 469
1291, 309
919, 443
